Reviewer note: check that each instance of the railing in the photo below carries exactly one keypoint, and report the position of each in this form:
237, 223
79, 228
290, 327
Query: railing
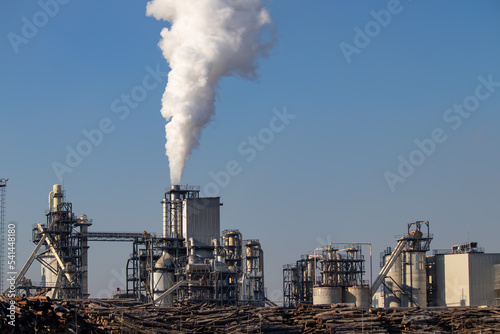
413, 237
441, 251
109, 236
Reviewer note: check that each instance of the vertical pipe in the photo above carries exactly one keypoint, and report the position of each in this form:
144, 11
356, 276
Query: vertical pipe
175, 214
239, 250
51, 200
165, 218
249, 270
412, 295
179, 217
248, 253
261, 264
83, 230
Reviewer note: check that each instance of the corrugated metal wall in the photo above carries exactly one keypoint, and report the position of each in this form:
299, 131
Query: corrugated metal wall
482, 278
466, 279
203, 215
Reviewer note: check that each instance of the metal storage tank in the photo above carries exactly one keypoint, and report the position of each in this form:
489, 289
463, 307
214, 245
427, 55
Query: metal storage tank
327, 295
359, 296
395, 273
249, 257
163, 279
416, 278
49, 279
55, 197
311, 270
231, 242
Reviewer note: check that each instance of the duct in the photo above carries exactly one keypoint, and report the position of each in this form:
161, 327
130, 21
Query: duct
83, 230
165, 218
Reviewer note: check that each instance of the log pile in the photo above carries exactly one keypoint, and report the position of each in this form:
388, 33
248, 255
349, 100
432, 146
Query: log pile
39, 314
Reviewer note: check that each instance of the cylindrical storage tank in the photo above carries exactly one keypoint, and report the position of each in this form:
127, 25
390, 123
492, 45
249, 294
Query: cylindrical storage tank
416, 279
397, 280
327, 295
339, 269
249, 255
311, 272
359, 296
49, 279
163, 279
57, 193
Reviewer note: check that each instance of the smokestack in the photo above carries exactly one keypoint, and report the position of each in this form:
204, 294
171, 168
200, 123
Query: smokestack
174, 195
172, 212
207, 40
55, 197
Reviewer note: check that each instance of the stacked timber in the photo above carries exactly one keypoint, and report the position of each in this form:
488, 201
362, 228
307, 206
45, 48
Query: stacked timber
39, 314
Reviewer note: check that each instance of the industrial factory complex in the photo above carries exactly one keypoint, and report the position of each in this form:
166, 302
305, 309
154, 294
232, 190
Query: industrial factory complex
409, 276
194, 262
191, 262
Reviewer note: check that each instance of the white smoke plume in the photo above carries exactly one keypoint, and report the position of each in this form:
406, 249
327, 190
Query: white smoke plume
207, 40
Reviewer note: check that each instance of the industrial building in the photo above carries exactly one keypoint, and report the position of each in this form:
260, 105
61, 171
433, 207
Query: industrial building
336, 274
190, 262
404, 274
463, 276
333, 274
61, 249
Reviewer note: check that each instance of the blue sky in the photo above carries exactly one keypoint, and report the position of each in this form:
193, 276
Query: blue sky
319, 180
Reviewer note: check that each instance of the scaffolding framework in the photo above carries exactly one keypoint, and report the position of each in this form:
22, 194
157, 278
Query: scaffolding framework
343, 271
61, 250
208, 281
339, 265
253, 286
408, 286
290, 281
